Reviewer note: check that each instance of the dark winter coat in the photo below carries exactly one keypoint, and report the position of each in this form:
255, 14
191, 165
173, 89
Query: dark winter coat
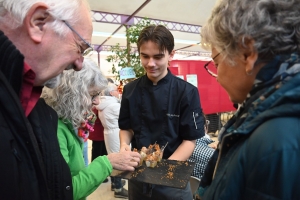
259, 153
32, 166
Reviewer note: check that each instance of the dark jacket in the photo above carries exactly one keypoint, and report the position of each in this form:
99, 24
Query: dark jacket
32, 166
259, 159
173, 105
167, 112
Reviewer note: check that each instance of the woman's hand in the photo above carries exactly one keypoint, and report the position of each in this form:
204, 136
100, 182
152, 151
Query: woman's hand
125, 160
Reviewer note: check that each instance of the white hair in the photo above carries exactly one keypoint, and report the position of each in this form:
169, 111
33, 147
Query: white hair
110, 87
274, 25
13, 12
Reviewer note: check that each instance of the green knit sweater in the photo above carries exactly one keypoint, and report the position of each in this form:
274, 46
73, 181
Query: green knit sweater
85, 180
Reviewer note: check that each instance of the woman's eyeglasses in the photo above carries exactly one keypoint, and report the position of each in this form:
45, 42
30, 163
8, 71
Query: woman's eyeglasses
211, 68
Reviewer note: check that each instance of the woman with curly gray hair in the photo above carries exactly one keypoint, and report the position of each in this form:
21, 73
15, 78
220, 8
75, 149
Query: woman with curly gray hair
256, 50
72, 100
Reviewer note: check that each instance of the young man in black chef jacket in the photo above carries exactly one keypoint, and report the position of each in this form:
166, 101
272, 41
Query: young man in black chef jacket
159, 107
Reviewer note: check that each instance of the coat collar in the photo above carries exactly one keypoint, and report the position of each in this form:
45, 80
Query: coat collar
11, 62
164, 80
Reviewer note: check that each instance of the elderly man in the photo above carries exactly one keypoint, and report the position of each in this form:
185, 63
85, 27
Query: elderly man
38, 40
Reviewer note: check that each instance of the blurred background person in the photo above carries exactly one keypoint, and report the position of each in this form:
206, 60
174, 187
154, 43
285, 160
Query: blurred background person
72, 100
203, 151
255, 47
97, 136
109, 109
109, 80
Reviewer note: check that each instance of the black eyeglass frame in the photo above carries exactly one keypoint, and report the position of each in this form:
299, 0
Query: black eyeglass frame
88, 50
206, 66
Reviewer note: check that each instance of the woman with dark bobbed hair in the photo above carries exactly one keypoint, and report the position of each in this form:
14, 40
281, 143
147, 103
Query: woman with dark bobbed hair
256, 50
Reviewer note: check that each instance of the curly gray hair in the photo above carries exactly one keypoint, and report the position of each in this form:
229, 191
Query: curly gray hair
274, 25
71, 99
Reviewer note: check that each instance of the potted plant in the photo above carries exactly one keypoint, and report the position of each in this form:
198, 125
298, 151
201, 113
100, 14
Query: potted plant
128, 56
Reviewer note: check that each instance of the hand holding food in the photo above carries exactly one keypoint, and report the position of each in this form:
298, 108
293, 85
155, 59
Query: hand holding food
125, 160
150, 155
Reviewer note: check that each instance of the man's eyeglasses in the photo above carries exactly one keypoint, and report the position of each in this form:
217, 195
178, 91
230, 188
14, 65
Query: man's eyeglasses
88, 50
211, 68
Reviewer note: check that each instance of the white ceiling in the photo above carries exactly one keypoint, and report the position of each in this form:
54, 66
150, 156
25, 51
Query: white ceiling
184, 11
193, 12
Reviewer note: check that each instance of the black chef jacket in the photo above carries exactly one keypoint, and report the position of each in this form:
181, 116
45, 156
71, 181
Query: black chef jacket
167, 112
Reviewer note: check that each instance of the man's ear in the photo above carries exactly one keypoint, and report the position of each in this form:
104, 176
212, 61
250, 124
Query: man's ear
171, 55
35, 21
250, 55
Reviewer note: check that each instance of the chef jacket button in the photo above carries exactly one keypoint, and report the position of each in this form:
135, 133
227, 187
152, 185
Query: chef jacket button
68, 187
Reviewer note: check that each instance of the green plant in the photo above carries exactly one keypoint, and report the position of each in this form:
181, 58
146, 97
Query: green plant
127, 56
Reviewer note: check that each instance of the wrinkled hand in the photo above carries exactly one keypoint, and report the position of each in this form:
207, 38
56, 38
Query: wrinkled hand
125, 160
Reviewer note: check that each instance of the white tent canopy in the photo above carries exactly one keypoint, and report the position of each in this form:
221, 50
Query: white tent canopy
183, 17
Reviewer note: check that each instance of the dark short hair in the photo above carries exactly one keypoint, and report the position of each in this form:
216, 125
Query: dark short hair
110, 80
205, 121
160, 35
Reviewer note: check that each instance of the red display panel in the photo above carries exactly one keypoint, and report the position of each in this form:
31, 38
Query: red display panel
213, 97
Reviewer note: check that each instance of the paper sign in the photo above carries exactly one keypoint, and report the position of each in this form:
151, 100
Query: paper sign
192, 78
126, 73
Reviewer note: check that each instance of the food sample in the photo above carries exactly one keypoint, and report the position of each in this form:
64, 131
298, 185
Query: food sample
143, 153
150, 155
154, 155
158, 152
151, 160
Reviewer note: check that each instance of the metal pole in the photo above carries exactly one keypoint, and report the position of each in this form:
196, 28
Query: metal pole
98, 58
